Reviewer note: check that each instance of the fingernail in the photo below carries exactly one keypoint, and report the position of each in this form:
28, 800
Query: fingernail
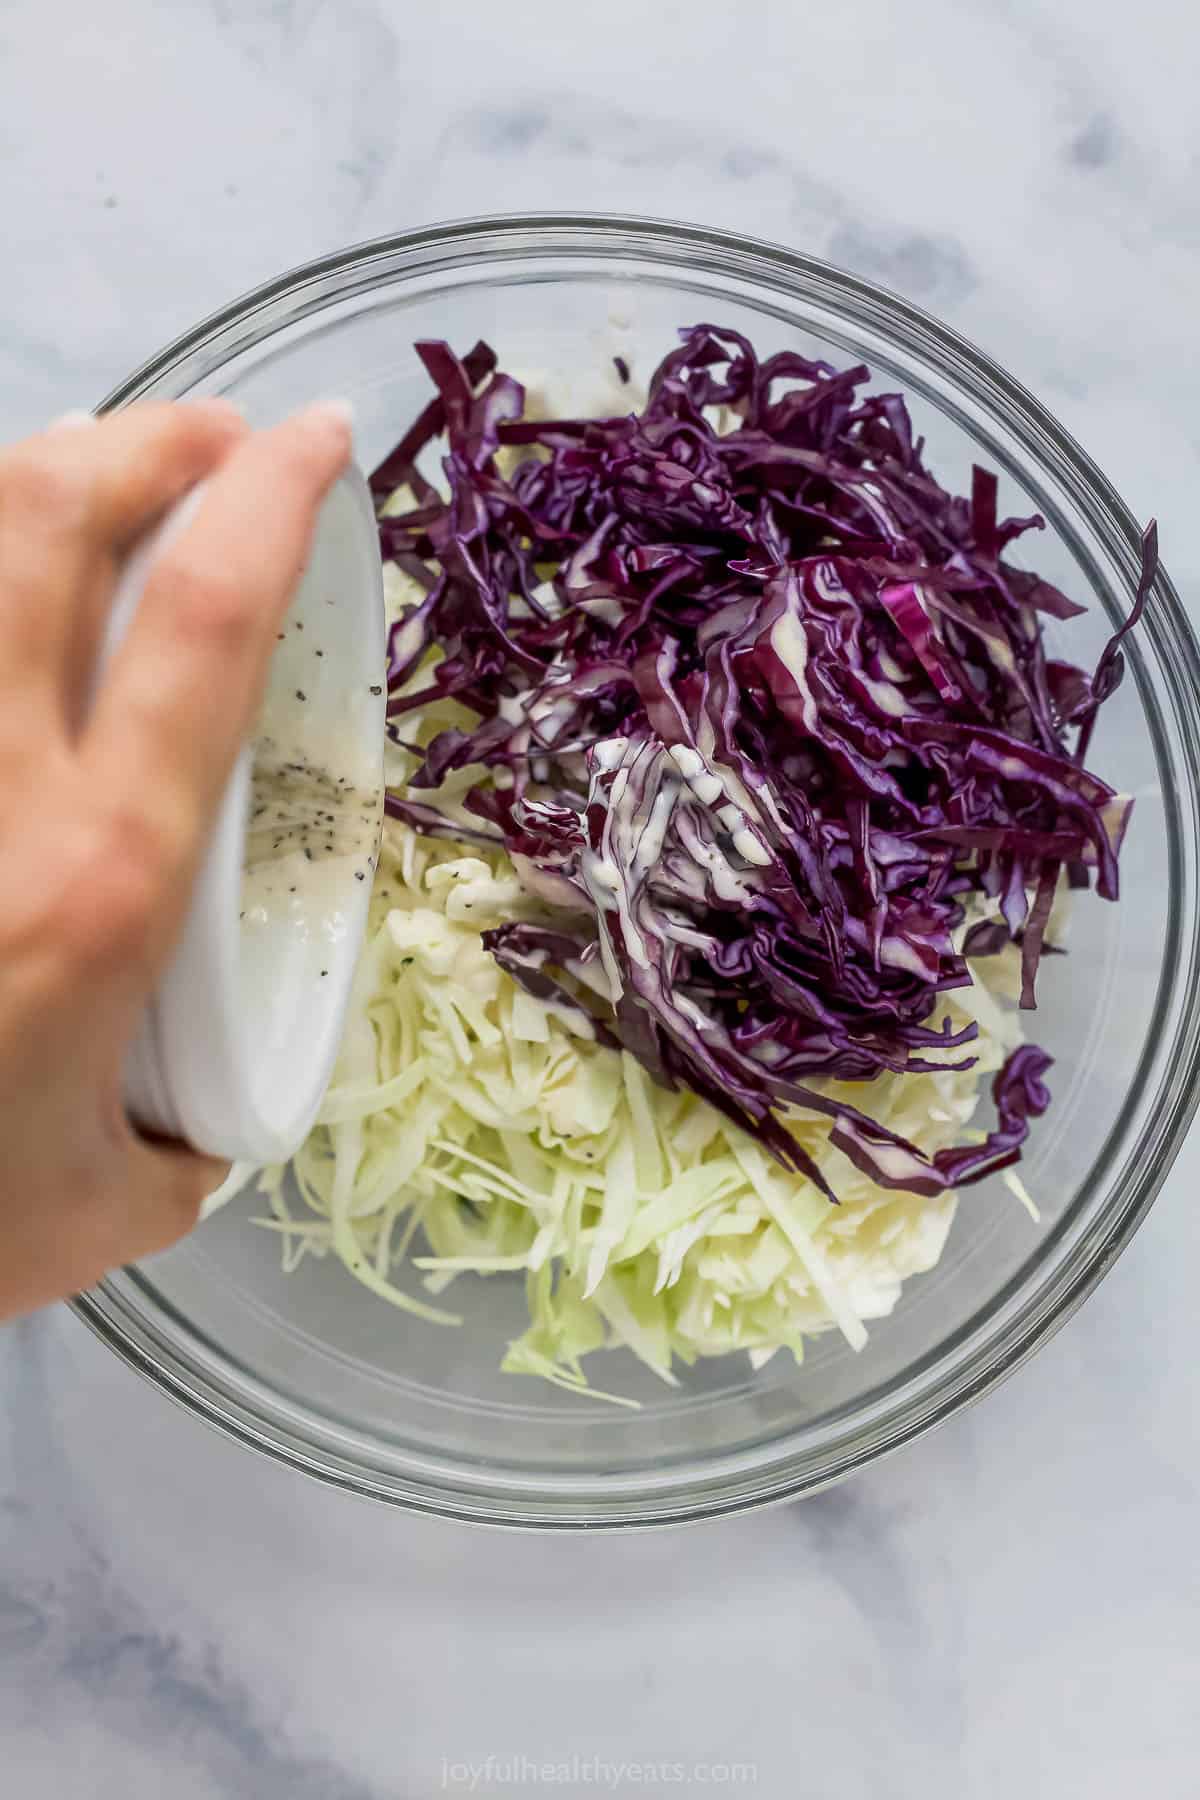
222, 405
329, 414
71, 421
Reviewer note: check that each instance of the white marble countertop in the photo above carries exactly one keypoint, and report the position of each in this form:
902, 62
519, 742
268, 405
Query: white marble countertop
1011, 1604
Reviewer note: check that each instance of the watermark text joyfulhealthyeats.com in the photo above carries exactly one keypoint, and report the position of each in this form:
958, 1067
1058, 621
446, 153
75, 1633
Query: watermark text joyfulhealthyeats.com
608, 1775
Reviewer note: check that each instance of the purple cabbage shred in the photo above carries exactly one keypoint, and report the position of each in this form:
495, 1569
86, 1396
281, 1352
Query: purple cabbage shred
768, 708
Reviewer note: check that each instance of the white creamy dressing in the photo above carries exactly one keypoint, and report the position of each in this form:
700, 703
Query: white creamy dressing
306, 824
311, 838
312, 833
308, 901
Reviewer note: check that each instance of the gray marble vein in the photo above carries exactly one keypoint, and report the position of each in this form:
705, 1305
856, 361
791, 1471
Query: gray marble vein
1014, 1603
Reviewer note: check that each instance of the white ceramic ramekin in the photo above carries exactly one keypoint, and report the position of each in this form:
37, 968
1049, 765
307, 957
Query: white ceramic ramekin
238, 1042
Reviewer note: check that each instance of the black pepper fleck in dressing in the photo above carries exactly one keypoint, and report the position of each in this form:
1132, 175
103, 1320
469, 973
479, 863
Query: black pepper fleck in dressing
297, 805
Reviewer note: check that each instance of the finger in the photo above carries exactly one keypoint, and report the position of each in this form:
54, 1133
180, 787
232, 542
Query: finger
70, 421
181, 694
167, 1185
152, 1202
71, 503
149, 1200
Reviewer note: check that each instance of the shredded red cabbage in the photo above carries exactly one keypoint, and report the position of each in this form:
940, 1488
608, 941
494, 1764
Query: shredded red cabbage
770, 705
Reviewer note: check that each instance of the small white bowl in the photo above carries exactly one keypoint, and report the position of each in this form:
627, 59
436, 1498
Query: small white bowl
238, 1042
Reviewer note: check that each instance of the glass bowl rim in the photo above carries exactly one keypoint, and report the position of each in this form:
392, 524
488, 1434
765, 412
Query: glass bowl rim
709, 1490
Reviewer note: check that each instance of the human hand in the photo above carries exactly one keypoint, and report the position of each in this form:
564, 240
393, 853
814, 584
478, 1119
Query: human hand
104, 813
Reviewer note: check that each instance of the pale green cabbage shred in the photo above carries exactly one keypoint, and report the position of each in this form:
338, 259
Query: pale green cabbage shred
471, 1129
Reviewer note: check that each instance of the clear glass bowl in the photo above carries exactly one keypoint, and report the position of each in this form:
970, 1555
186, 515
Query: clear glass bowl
317, 1372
